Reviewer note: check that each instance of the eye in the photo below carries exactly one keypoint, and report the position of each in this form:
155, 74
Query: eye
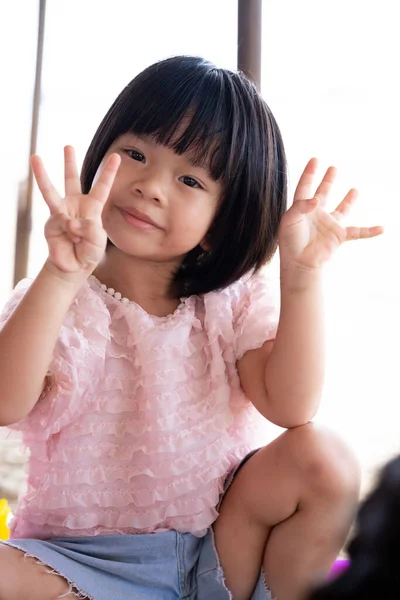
135, 154
190, 182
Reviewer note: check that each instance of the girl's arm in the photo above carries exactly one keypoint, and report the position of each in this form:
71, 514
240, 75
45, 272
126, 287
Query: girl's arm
284, 379
294, 371
27, 342
76, 241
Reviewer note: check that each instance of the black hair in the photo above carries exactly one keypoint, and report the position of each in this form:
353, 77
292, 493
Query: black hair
230, 129
374, 551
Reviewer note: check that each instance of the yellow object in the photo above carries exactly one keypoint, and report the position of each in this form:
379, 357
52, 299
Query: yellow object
5, 514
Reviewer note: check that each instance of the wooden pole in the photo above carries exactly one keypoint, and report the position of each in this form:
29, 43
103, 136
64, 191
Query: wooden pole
249, 39
24, 218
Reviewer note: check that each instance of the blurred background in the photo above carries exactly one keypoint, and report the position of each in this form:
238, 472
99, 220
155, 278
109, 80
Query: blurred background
329, 71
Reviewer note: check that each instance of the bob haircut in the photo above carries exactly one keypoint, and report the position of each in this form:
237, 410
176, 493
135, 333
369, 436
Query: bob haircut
227, 127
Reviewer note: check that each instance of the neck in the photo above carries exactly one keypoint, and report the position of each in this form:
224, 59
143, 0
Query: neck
144, 282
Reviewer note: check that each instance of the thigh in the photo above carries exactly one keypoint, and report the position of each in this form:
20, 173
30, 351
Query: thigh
262, 494
264, 491
275, 483
24, 578
272, 484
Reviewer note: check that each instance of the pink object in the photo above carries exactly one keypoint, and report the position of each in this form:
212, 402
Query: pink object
338, 568
143, 416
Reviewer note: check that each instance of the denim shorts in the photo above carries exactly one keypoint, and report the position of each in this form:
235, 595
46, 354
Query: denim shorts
158, 566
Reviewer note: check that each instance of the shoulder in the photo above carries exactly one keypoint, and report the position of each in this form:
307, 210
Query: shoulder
246, 312
256, 310
256, 296
88, 310
87, 315
249, 288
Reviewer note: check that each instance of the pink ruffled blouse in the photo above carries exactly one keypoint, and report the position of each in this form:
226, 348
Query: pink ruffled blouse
144, 416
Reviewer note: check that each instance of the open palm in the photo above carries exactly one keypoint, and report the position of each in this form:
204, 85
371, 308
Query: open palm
309, 234
74, 232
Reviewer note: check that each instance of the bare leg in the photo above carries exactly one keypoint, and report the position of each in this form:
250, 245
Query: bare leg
23, 578
289, 511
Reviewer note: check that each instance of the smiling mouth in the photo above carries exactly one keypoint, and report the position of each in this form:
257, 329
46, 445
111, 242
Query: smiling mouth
138, 219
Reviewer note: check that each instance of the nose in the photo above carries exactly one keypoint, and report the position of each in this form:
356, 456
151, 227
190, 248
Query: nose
151, 185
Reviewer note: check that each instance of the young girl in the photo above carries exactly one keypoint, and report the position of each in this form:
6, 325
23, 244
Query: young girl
141, 363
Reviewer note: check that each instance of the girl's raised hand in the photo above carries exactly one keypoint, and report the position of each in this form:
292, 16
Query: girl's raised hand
74, 231
309, 235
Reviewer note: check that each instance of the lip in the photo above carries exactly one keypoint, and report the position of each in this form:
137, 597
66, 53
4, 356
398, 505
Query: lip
138, 219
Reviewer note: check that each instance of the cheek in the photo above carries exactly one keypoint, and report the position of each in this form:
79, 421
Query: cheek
187, 229
110, 217
187, 233
195, 219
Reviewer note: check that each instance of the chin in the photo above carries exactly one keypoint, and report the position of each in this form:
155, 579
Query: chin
137, 250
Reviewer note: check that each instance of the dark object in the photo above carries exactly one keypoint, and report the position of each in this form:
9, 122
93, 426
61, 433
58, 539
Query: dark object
249, 39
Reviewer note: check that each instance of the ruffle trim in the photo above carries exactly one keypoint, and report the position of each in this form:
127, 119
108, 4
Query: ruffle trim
130, 517
195, 524
256, 312
211, 416
158, 487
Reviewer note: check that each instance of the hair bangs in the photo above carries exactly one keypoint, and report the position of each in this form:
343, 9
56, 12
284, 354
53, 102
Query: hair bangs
194, 118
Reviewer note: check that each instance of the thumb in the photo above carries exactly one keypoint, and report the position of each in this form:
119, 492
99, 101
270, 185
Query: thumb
56, 225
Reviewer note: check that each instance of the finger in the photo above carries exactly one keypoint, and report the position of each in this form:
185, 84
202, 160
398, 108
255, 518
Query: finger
343, 209
330, 226
74, 238
74, 230
362, 233
56, 225
91, 240
101, 189
71, 175
325, 186
86, 229
47, 189
305, 207
305, 188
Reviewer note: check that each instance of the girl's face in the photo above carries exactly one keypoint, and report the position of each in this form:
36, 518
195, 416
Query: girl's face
160, 206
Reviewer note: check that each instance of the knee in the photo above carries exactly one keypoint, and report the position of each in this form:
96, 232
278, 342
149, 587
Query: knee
327, 465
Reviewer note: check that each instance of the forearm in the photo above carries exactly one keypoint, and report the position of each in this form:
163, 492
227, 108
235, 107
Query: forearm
27, 342
295, 369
